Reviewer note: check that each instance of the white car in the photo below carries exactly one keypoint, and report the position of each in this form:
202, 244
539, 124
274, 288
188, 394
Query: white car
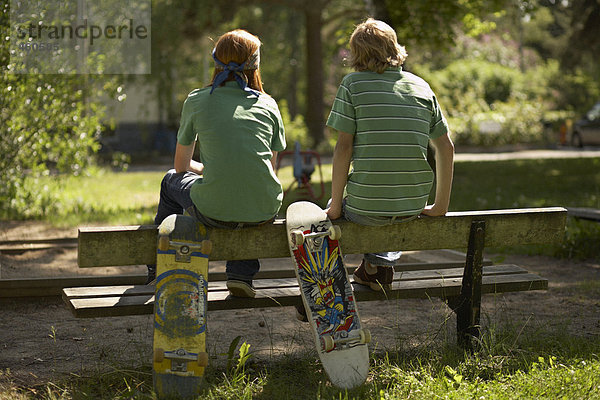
586, 131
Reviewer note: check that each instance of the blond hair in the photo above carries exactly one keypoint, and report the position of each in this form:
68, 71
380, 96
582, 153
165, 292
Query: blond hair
238, 46
374, 47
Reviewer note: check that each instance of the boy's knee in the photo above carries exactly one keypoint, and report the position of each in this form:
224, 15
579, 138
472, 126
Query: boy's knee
167, 178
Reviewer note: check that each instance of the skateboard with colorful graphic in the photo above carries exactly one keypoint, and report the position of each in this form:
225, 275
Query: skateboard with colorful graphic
327, 295
180, 307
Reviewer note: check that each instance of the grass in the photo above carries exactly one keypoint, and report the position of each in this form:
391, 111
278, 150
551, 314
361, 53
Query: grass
102, 196
527, 183
535, 183
131, 197
548, 365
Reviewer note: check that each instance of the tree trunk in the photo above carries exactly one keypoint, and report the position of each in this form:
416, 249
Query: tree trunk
378, 10
315, 76
294, 26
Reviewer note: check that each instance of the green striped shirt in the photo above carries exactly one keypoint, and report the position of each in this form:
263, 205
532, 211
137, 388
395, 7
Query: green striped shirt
392, 116
237, 134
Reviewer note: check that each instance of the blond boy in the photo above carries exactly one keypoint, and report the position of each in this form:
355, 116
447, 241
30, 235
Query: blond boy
386, 119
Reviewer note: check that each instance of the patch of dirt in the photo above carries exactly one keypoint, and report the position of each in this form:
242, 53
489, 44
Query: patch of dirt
40, 341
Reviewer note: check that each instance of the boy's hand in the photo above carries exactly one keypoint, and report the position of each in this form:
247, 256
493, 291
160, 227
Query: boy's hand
433, 211
334, 212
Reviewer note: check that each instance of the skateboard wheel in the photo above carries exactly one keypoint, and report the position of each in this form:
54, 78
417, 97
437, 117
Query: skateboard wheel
163, 243
159, 355
335, 232
203, 359
297, 238
206, 247
365, 336
327, 343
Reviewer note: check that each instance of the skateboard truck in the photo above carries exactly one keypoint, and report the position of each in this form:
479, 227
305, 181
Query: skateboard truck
298, 237
180, 358
183, 250
328, 343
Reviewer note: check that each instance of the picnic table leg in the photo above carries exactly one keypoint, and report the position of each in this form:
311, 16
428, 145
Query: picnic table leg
467, 305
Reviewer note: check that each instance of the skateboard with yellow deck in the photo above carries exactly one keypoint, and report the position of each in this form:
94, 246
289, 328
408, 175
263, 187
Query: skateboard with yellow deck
180, 304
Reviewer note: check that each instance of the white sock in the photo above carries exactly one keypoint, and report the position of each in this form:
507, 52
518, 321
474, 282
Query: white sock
370, 269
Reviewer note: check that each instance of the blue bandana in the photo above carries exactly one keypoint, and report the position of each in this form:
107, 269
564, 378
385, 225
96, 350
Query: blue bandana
251, 63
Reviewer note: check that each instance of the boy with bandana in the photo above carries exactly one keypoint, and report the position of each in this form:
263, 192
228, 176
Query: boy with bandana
239, 131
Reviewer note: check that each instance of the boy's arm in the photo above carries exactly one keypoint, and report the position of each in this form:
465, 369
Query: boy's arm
274, 160
342, 155
444, 161
183, 159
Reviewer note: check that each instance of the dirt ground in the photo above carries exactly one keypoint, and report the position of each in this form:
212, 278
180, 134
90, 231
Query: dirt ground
40, 341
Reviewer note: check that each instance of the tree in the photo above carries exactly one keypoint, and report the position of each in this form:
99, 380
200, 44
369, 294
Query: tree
47, 124
295, 54
584, 39
321, 16
431, 27
314, 69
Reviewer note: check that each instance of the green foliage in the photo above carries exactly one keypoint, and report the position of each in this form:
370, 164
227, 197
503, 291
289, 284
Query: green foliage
487, 104
576, 90
571, 182
491, 104
503, 79
48, 124
238, 381
295, 129
489, 82
45, 126
416, 23
244, 355
100, 195
582, 240
237, 371
517, 122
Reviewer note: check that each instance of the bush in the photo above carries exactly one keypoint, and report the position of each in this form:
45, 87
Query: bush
508, 123
465, 83
489, 104
575, 91
48, 124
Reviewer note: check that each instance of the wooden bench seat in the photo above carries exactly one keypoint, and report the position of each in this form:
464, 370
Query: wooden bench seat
444, 283
136, 245
590, 214
461, 285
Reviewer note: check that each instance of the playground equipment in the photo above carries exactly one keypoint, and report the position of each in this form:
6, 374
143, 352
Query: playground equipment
303, 168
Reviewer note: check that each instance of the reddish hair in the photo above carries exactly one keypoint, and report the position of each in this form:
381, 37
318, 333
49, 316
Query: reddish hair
237, 46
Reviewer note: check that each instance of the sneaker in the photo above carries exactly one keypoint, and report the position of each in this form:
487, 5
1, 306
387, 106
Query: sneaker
378, 281
241, 288
301, 313
151, 280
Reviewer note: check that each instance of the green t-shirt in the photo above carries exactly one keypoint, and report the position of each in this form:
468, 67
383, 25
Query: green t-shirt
392, 116
236, 133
